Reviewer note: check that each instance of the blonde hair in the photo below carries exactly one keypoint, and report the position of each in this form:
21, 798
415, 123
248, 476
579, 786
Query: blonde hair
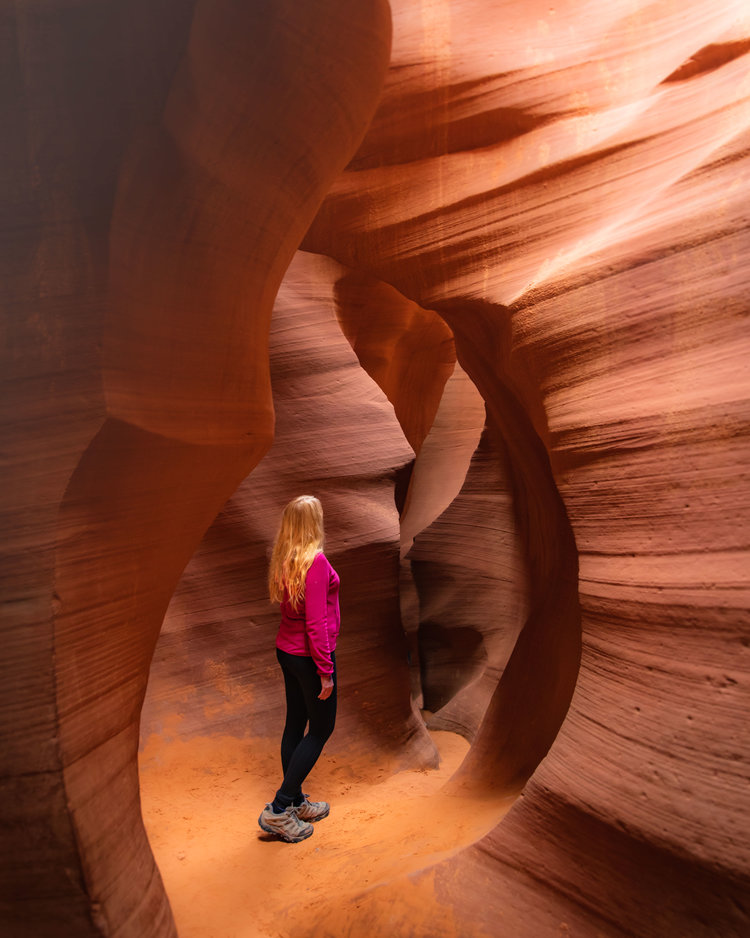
298, 542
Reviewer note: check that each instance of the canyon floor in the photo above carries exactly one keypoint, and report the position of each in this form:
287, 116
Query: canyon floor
227, 879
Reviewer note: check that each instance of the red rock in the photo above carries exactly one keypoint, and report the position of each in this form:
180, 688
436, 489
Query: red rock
215, 668
471, 583
139, 394
591, 258
567, 188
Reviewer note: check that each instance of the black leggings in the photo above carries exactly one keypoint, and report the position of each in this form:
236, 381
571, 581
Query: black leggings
299, 752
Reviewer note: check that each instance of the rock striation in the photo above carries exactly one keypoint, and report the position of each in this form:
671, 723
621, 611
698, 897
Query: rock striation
569, 192
246, 256
215, 668
156, 201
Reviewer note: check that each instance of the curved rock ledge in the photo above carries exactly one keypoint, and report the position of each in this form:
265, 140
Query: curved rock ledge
566, 187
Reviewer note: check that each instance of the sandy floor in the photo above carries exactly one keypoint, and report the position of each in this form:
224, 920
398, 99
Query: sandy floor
227, 879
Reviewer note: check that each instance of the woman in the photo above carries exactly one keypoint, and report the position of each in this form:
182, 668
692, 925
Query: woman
303, 581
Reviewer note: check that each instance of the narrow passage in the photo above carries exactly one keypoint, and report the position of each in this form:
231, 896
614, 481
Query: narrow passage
226, 879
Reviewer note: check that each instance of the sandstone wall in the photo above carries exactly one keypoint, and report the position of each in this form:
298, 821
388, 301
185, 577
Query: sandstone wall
570, 192
555, 197
156, 200
336, 435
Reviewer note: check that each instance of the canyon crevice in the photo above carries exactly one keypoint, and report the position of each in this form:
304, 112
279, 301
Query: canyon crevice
475, 274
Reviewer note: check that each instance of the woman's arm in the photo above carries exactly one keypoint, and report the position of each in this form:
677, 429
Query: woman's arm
316, 620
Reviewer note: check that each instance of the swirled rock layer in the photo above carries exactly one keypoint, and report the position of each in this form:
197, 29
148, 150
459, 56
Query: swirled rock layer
156, 201
570, 193
555, 197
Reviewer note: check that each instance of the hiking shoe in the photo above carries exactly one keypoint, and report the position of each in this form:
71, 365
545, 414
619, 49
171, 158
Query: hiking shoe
285, 825
312, 810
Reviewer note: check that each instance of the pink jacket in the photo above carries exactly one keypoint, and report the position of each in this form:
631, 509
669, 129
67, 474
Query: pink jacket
312, 629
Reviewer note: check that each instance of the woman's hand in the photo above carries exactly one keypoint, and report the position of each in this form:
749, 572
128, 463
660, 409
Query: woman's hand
326, 687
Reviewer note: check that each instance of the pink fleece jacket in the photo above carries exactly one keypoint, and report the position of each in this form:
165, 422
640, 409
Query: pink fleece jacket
312, 629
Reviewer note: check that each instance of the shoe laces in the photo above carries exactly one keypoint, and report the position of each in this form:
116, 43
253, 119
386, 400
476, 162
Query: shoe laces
293, 814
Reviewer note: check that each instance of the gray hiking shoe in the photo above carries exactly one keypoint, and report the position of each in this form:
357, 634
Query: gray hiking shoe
285, 825
312, 810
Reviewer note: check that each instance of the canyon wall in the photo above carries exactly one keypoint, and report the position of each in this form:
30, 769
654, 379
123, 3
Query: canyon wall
156, 201
569, 191
540, 207
336, 434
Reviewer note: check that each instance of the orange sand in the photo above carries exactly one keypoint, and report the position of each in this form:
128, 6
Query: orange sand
227, 879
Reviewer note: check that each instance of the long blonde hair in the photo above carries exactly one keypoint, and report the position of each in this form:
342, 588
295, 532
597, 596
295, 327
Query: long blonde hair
299, 540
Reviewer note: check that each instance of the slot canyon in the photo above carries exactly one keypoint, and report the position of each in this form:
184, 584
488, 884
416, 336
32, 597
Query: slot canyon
477, 275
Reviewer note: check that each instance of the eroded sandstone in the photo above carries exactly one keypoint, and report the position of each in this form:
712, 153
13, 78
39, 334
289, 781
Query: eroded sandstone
555, 197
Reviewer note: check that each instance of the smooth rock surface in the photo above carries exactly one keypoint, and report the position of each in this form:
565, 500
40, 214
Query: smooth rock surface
582, 192
566, 188
156, 201
472, 590
215, 668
